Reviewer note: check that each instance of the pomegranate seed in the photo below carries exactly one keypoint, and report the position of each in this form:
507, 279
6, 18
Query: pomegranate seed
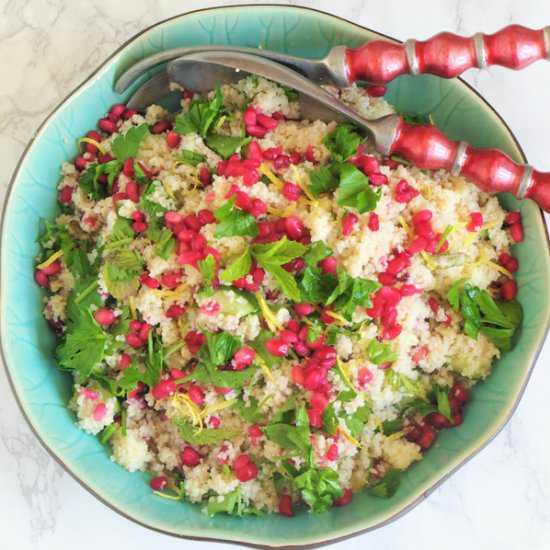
210, 307
285, 506
422, 216
247, 472
194, 341
258, 208
125, 361
192, 222
214, 422
409, 290
291, 191
100, 410
132, 191
386, 278
129, 113
294, 227
420, 353
475, 223
161, 126
297, 375
319, 401
460, 393
140, 227
159, 483
65, 194
175, 311
134, 340
164, 389
282, 162
96, 136
249, 116
196, 395
390, 333
199, 242
425, 230
404, 192
204, 176
144, 331
437, 420
190, 457
516, 232
364, 376
332, 452
172, 218
315, 419
104, 316
418, 245
374, 222
190, 257
310, 154
276, 347
303, 310
398, 264
242, 358
241, 462
509, 290
170, 280
348, 223
302, 349
255, 431
173, 139
107, 126
376, 91
288, 337
135, 326
512, 217
272, 153
147, 280
328, 265
312, 379
427, 438
80, 163
348, 493
267, 122
256, 131
254, 150
52, 269
206, 217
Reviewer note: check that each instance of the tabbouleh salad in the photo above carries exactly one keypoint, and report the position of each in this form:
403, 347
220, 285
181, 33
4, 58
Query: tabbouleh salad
259, 310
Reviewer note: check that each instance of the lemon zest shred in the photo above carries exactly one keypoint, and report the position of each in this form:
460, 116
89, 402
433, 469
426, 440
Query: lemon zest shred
289, 209
428, 260
181, 327
271, 176
342, 368
395, 435
484, 261
275, 211
50, 260
172, 294
350, 438
185, 406
406, 227
133, 308
169, 192
470, 238
302, 185
340, 321
269, 316
264, 367
168, 497
91, 142
217, 407
488, 225
378, 424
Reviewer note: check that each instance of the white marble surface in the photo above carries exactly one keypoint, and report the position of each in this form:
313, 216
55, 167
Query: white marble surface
501, 499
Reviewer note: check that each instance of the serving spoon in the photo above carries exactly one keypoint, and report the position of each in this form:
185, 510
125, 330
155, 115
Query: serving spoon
377, 62
423, 145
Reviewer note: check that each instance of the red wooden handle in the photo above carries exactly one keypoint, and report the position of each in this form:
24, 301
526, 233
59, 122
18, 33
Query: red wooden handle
489, 169
446, 54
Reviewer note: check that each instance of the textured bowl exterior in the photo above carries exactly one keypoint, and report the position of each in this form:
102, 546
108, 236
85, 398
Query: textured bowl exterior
28, 344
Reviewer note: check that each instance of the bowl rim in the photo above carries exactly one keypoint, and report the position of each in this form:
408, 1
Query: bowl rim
393, 516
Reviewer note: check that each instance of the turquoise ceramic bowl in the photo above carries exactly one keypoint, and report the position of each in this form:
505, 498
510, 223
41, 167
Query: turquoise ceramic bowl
28, 344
